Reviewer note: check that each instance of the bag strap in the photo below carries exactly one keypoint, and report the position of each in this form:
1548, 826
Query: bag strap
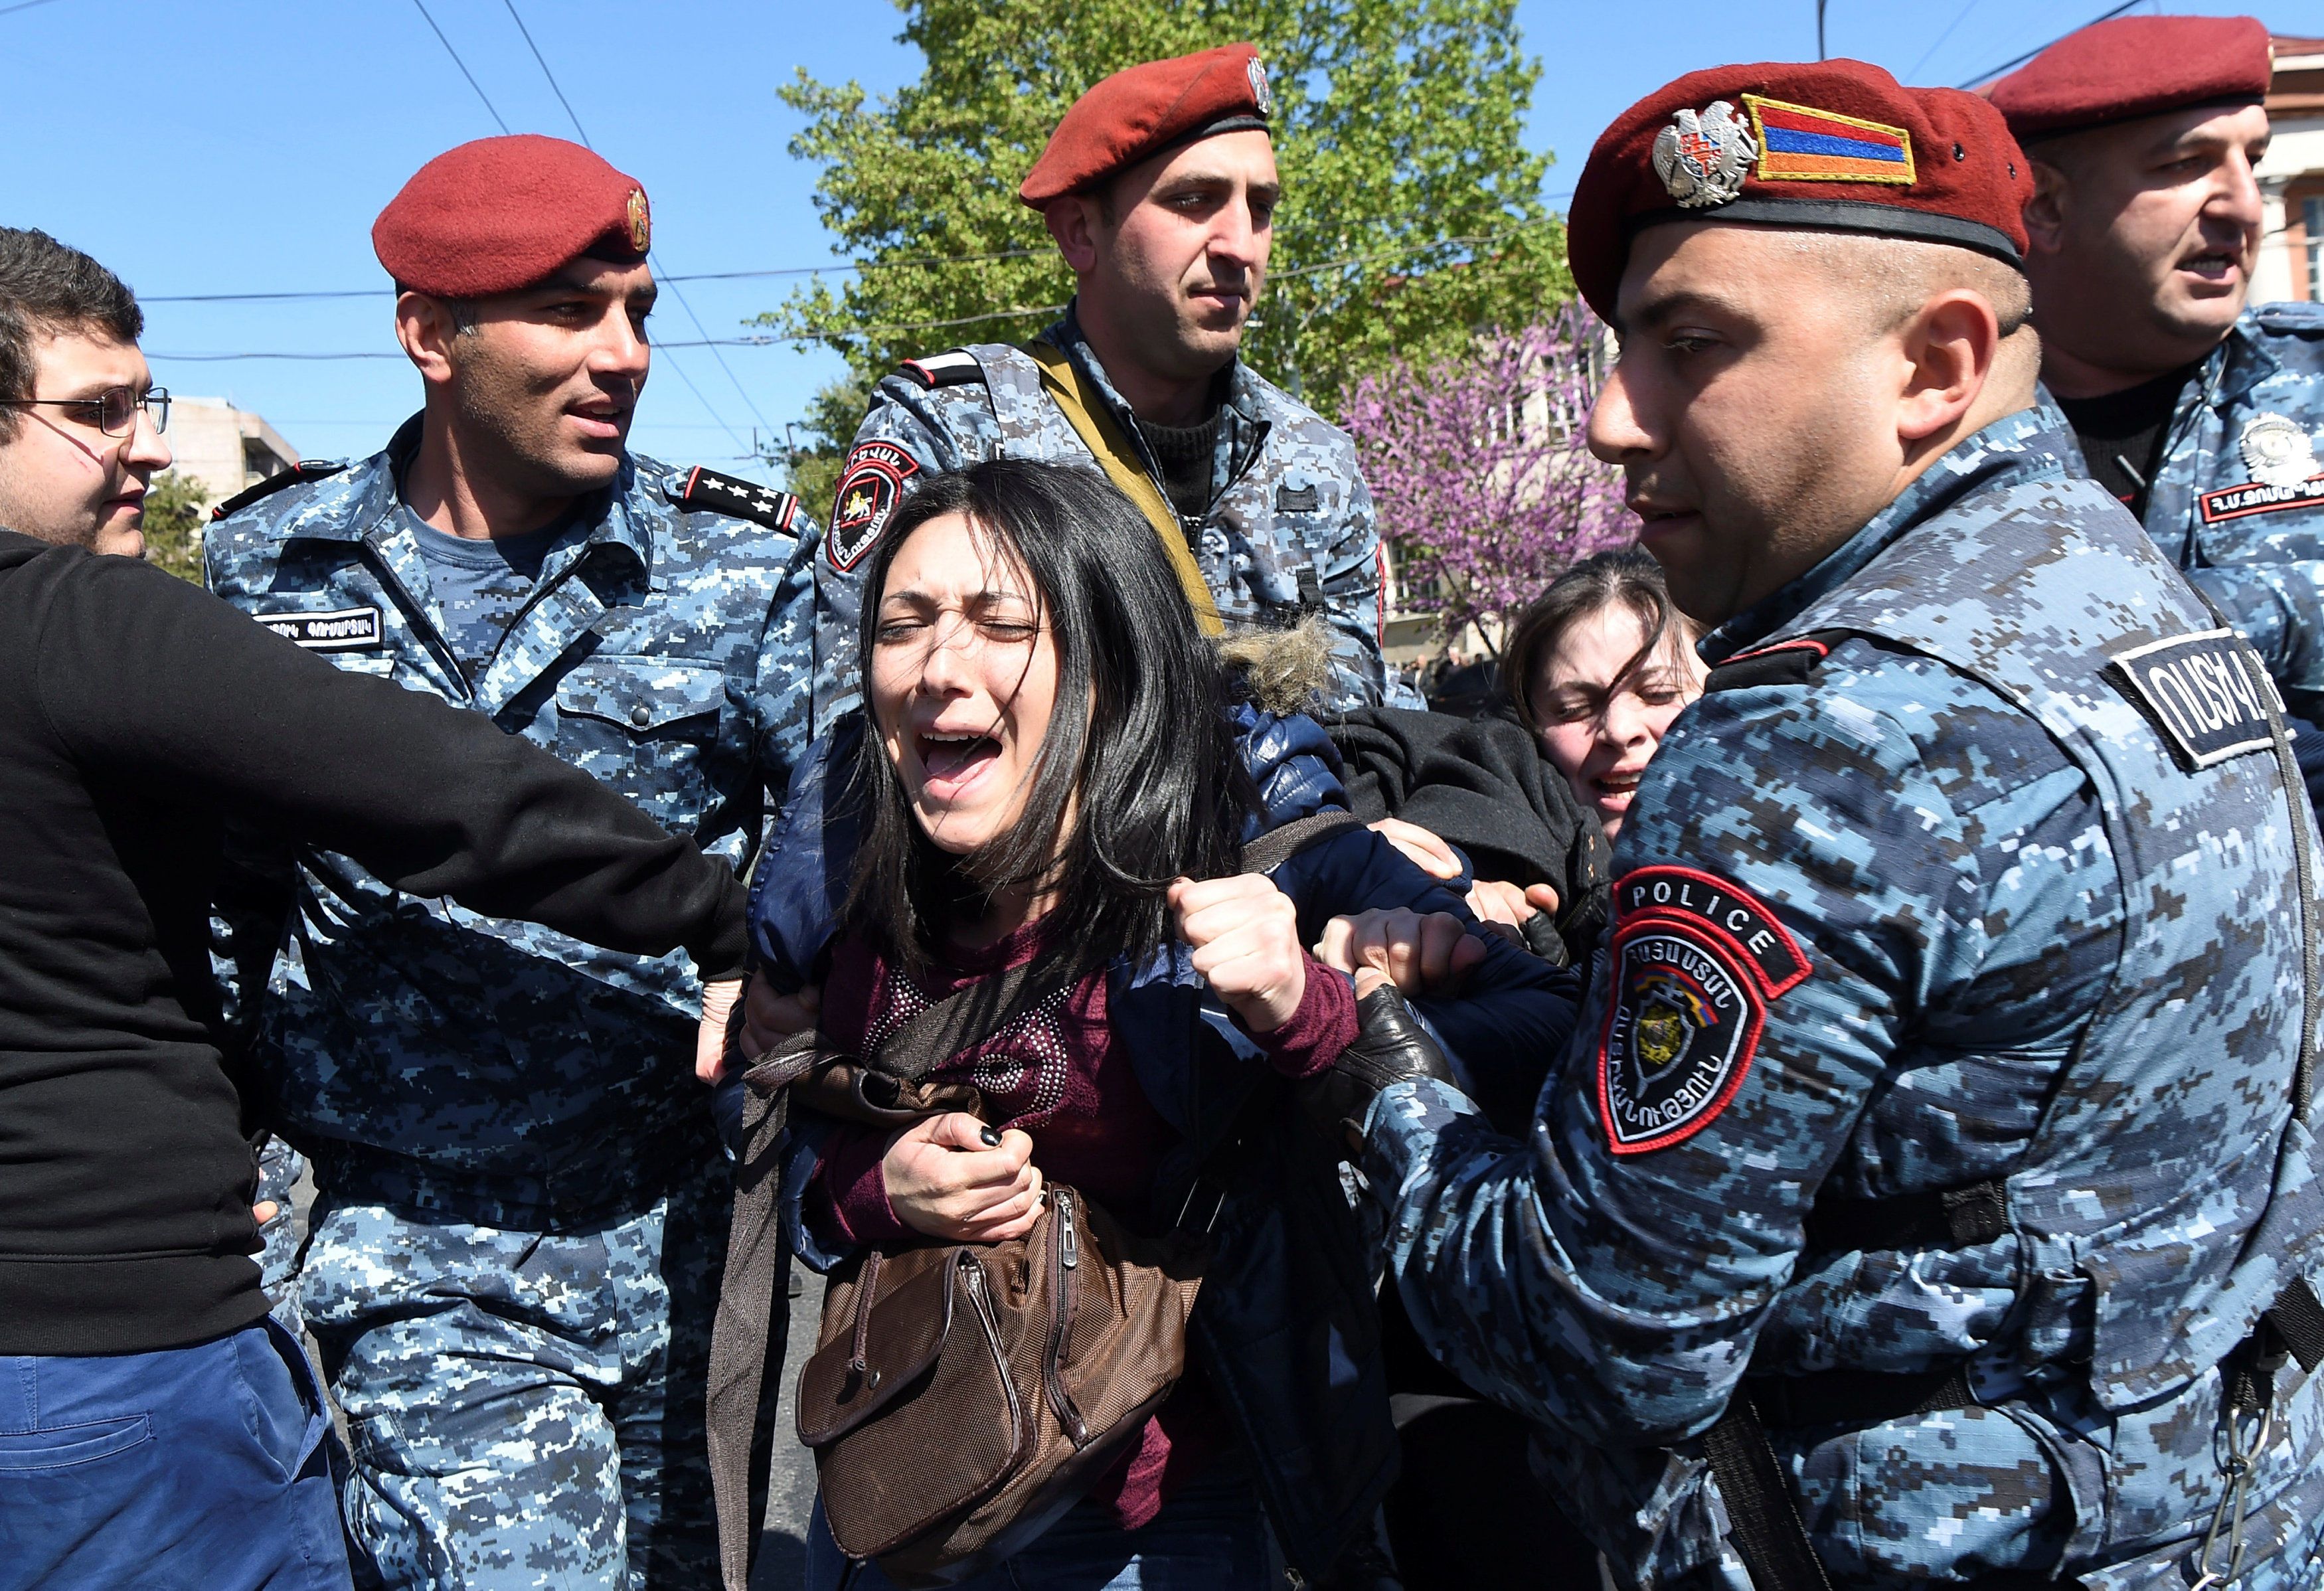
1062, 380
1764, 1522
754, 1305
1278, 845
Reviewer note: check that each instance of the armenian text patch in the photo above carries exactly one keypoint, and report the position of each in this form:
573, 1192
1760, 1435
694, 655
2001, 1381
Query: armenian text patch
2198, 692
869, 487
2260, 498
349, 629
1695, 962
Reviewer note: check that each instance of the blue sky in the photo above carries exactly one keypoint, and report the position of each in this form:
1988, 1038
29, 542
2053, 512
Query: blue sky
240, 146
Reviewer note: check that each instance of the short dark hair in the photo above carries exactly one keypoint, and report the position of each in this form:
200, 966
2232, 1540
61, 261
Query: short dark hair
1627, 575
1148, 788
47, 287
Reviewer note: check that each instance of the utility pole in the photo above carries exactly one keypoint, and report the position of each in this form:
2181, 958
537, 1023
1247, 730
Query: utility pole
1820, 50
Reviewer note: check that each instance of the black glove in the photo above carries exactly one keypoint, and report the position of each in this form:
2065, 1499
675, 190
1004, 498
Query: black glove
1391, 1048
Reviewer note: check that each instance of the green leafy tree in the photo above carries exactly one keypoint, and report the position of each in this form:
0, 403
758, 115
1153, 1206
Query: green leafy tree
175, 508
1412, 215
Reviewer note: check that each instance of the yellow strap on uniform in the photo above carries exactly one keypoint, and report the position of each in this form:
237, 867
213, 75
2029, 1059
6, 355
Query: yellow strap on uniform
1098, 430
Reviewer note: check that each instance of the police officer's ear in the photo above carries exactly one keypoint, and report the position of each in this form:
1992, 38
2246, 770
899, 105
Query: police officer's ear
1949, 347
1080, 222
2045, 212
426, 324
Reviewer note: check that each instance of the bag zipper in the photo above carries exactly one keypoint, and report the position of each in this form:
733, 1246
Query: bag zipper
1064, 1287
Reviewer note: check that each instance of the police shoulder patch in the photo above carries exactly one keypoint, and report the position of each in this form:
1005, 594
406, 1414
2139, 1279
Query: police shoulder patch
943, 370
1695, 962
2201, 693
707, 490
869, 487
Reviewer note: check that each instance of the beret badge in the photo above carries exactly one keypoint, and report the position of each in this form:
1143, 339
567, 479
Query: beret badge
641, 220
1260, 94
1704, 157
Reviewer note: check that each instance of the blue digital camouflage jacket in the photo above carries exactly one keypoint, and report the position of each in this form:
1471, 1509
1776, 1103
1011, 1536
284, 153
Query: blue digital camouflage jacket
1919, 895
2238, 500
426, 1056
1290, 529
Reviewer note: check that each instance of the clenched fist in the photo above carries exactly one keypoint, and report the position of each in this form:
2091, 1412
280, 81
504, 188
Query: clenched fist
1246, 938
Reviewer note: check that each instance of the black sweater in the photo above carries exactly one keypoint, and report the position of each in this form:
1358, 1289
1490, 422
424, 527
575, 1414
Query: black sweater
136, 712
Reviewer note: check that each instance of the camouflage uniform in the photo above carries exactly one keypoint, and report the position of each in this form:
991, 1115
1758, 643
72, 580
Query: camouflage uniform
520, 1220
2256, 547
1917, 897
1290, 529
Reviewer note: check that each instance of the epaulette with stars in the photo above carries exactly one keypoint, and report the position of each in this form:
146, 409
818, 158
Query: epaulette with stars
710, 491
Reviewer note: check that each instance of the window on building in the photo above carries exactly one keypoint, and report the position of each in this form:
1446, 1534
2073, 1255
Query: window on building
2311, 216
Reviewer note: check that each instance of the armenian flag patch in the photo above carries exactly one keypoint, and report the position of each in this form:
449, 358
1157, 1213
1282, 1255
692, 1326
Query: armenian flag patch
1799, 143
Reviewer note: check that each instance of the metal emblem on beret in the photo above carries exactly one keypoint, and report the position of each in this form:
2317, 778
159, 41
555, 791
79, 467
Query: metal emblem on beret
1702, 159
2276, 451
1260, 91
640, 221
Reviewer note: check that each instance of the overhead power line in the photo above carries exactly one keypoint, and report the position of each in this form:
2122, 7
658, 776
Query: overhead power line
463, 65
2014, 61
386, 293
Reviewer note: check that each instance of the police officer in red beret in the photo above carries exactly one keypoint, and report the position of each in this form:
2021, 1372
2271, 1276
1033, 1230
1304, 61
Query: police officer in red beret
2200, 410
1159, 185
515, 1253
1927, 1194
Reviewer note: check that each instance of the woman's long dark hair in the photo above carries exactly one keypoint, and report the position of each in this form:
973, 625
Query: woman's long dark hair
1627, 575
1150, 787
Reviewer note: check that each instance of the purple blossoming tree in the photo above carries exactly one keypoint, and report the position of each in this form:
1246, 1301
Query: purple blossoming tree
1479, 472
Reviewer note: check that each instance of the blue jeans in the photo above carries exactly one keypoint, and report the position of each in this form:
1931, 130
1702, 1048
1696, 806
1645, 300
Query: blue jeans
1210, 1537
190, 1469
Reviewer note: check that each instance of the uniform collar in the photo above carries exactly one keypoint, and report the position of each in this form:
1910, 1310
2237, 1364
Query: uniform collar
2241, 362
2028, 445
620, 517
1242, 400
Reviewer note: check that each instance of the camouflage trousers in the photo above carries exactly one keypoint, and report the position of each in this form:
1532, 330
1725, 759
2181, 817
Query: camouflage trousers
523, 1409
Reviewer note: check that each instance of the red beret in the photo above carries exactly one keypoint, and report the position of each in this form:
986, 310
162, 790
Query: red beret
503, 213
2135, 66
1142, 110
1836, 145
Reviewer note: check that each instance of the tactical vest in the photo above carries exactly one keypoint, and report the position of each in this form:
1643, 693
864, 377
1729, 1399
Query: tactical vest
1244, 513
2150, 1240
2079, 621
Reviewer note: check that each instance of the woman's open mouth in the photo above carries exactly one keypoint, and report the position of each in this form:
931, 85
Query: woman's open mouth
954, 762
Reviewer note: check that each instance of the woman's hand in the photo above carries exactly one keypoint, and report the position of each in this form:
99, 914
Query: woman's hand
1425, 851
954, 1179
1503, 908
1431, 954
1246, 938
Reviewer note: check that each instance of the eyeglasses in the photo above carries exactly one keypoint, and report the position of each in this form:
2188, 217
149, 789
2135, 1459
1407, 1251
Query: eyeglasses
113, 410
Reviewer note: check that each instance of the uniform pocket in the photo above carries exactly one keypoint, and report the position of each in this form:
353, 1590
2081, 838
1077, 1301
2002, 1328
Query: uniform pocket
647, 727
67, 1445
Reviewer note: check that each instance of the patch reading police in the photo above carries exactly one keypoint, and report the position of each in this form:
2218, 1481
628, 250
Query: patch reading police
2195, 690
869, 487
348, 629
1695, 962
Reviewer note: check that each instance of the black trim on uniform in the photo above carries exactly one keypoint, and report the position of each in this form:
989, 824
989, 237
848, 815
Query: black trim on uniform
298, 474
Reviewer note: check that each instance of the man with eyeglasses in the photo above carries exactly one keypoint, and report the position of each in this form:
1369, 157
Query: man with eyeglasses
81, 421
158, 1430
